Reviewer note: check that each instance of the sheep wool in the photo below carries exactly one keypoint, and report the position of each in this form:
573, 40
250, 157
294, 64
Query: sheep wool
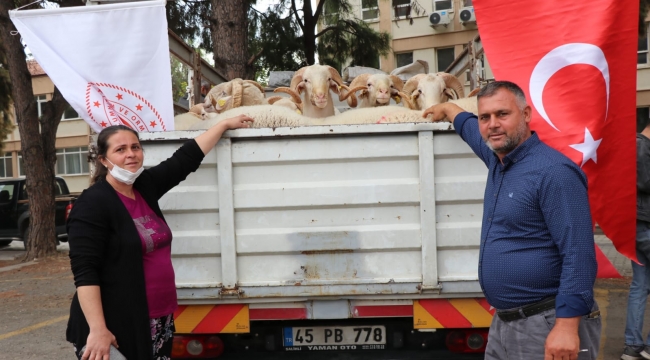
265, 116
186, 120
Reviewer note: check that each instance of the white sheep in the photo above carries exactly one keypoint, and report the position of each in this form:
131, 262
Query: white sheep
376, 115
265, 116
426, 90
376, 90
469, 104
235, 93
197, 113
286, 102
316, 81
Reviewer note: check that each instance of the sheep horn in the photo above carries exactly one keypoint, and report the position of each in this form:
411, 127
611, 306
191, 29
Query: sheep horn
296, 98
335, 75
256, 84
273, 99
350, 92
237, 92
474, 92
397, 82
359, 81
407, 100
452, 82
412, 83
297, 79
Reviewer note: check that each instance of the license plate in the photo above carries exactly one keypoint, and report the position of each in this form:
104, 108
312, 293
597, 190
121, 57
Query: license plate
334, 338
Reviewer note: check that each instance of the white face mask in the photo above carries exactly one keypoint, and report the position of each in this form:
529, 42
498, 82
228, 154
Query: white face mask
123, 175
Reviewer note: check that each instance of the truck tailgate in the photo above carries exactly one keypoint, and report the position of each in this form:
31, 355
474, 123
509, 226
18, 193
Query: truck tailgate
364, 211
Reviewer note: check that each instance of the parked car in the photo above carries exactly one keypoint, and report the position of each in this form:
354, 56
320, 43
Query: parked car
14, 209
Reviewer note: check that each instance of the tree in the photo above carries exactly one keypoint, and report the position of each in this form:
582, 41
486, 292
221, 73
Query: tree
5, 100
644, 7
37, 136
229, 25
341, 37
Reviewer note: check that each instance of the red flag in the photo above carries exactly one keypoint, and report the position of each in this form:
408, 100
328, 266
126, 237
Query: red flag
575, 61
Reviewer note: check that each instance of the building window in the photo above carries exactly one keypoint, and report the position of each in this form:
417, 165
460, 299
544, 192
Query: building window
70, 114
40, 99
445, 57
6, 166
442, 5
402, 8
467, 3
369, 9
642, 51
72, 161
642, 118
404, 59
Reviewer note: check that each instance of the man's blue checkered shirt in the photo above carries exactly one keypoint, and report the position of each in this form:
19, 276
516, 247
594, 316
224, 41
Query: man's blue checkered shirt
537, 238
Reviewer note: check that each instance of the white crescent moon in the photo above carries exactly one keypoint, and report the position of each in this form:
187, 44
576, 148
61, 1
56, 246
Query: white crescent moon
559, 58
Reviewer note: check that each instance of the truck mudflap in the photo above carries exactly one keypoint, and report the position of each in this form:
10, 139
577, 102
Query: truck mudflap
452, 313
212, 319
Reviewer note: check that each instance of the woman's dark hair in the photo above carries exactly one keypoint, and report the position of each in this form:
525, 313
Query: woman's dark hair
99, 151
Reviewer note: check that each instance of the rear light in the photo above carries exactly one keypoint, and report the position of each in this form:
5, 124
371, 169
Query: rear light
67, 211
196, 346
467, 340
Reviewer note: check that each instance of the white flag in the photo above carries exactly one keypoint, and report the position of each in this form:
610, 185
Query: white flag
111, 62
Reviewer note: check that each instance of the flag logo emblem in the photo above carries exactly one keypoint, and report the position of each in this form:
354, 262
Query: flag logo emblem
109, 104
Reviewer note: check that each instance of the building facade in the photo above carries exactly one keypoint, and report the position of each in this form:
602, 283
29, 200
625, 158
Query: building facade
438, 31
72, 139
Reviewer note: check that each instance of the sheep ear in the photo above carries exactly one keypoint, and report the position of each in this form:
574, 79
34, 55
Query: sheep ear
224, 104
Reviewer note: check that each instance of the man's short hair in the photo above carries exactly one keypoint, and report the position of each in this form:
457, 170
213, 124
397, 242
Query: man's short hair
491, 88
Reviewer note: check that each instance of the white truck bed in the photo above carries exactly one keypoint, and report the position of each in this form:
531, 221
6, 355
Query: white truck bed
365, 212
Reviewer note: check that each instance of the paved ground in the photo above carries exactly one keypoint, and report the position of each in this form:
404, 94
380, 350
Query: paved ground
35, 298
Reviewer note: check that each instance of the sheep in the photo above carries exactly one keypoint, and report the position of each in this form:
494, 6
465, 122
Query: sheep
286, 102
264, 115
469, 104
316, 81
196, 114
235, 93
426, 90
376, 115
376, 90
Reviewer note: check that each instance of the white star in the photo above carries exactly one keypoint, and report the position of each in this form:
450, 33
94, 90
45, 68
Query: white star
588, 148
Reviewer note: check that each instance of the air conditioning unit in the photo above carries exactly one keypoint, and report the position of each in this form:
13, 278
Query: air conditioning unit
467, 15
440, 18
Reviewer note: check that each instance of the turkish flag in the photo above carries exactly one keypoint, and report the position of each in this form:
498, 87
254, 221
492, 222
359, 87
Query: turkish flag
575, 61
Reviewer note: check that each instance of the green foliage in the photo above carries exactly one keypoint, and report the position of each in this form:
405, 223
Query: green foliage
179, 78
352, 40
276, 41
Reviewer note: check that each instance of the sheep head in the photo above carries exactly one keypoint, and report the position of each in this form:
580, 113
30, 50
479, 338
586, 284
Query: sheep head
378, 89
235, 93
426, 90
317, 81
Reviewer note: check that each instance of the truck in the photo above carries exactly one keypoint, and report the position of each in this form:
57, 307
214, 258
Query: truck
14, 209
347, 241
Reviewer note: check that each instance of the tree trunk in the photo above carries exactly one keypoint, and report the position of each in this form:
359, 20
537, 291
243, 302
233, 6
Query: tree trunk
37, 146
309, 32
230, 37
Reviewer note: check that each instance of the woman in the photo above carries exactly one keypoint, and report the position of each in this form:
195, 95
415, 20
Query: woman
120, 247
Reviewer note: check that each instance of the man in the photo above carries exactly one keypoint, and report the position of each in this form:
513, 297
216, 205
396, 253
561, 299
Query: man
635, 347
537, 262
